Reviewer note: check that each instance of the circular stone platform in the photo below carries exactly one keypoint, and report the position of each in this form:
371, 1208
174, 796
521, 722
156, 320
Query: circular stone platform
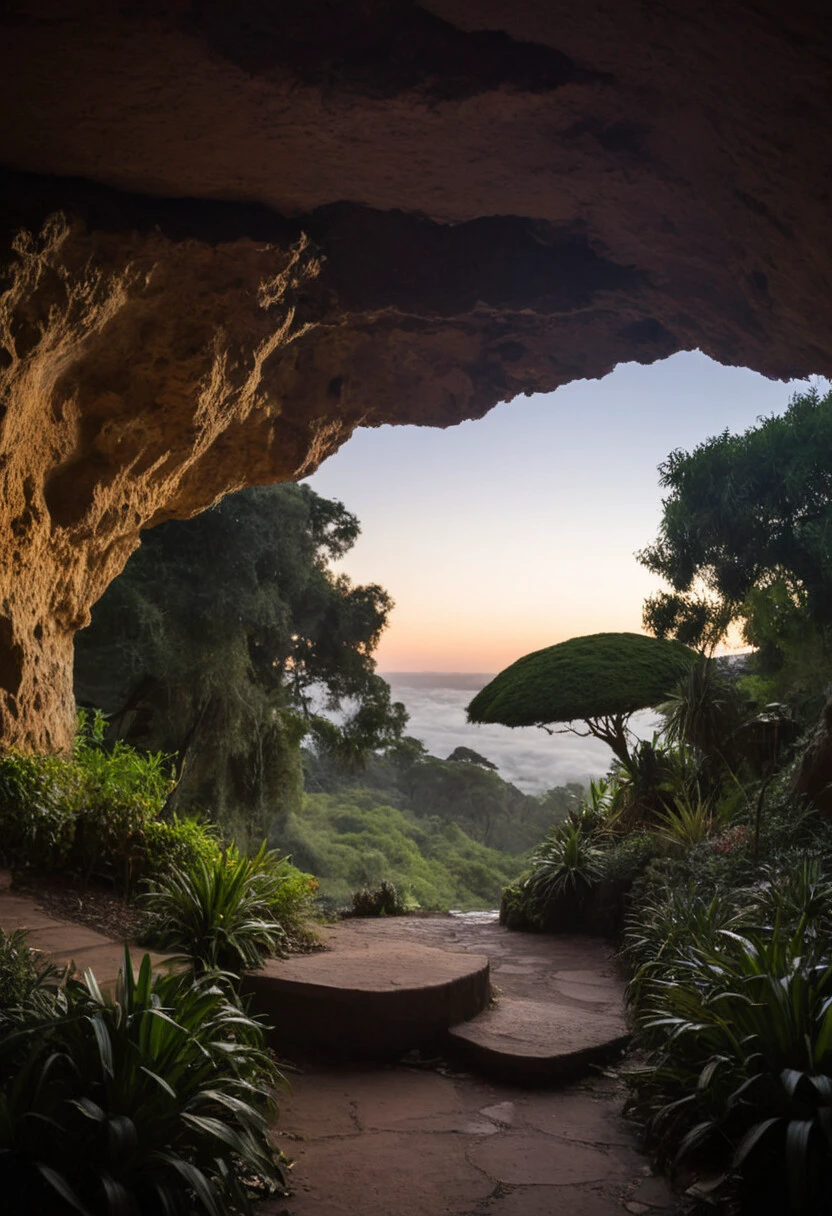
537, 1043
375, 1001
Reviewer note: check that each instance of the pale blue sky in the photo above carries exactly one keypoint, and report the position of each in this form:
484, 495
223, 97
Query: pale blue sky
517, 531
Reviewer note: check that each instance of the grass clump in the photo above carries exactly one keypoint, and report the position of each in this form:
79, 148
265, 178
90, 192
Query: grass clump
24, 973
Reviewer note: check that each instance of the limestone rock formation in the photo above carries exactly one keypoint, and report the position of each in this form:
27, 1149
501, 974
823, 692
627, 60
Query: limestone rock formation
232, 233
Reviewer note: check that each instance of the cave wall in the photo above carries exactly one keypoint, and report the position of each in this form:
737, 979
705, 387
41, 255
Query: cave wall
230, 234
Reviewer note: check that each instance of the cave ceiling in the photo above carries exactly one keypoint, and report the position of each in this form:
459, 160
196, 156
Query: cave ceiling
232, 233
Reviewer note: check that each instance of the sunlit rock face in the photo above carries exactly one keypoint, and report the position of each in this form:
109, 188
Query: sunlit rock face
232, 233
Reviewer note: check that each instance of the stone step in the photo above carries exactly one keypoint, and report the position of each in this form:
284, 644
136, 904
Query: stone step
379, 1000
529, 1042
68, 943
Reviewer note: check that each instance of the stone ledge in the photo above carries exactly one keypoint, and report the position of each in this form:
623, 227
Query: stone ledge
376, 1002
531, 1042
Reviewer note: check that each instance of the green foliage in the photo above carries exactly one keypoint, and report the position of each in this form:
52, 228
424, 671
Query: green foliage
93, 813
157, 1100
704, 712
229, 912
23, 972
351, 840
219, 639
38, 796
566, 864
689, 820
178, 844
488, 809
732, 990
743, 1061
746, 535
596, 676
645, 783
383, 900
601, 679
581, 877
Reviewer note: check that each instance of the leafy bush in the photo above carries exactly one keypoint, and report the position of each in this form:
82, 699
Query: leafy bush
383, 900
225, 913
120, 792
158, 1100
688, 819
732, 991
38, 797
24, 972
178, 844
89, 813
742, 1062
582, 875
566, 865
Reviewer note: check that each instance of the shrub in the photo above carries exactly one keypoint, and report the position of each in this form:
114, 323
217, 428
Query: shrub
383, 900
567, 864
293, 905
121, 791
89, 813
688, 819
177, 844
24, 973
742, 1063
224, 913
159, 1100
38, 796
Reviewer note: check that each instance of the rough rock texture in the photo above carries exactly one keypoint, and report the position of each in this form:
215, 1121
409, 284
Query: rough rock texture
234, 232
814, 777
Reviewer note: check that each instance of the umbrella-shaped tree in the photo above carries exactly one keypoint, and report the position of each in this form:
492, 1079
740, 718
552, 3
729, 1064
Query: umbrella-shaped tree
600, 680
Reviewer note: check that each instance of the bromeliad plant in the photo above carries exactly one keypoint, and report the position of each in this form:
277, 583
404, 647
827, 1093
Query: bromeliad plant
222, 913
156, 1101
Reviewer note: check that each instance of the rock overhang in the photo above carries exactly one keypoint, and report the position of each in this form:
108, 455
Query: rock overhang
280, 222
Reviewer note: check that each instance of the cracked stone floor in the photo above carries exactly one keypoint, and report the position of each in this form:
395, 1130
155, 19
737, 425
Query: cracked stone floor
418, 1141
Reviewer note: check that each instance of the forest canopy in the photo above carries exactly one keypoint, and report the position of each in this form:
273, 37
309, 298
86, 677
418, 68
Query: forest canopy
746, 537
224, 639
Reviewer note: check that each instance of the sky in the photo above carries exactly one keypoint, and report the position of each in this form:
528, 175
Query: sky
517, 531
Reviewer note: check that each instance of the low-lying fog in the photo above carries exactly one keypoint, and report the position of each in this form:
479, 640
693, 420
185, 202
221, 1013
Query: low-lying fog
530, 758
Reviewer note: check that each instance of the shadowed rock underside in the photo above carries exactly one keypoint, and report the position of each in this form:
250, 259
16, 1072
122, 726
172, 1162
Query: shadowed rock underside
231, 234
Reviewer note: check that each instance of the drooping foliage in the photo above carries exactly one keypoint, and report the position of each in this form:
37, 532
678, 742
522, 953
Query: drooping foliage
222, 638
600, 679
229, 912
158, 1098
746, 536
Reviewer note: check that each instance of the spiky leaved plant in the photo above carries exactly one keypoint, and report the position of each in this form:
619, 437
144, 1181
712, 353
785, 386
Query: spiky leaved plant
742, 1063
222, 912
158, 1100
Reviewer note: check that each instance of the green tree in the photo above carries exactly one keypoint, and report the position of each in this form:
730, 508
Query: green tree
746, 536
600, 679
225, 637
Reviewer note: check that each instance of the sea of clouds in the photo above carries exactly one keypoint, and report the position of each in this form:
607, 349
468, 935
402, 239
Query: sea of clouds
527, 756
